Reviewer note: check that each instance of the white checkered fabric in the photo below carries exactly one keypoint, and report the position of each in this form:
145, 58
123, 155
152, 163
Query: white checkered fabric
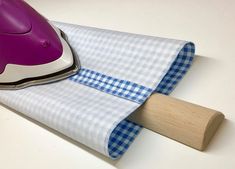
136, 58
119, 72
78, 111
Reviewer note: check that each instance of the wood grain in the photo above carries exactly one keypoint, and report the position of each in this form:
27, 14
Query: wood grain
188, 123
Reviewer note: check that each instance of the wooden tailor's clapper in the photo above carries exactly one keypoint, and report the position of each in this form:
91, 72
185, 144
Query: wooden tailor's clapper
188, 123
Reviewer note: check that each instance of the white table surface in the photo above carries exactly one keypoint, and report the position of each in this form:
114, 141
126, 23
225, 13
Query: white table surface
25, 144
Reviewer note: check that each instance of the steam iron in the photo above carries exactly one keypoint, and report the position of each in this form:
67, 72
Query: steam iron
32, 50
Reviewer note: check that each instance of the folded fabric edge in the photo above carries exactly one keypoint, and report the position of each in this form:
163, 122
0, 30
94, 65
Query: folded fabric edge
126, 131
177, 70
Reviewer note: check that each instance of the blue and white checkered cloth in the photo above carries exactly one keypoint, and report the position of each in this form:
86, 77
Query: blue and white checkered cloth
119, 72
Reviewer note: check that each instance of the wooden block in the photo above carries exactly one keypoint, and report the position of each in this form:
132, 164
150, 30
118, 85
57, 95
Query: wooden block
182, 121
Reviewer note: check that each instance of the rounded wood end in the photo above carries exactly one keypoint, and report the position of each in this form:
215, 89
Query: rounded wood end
211, 128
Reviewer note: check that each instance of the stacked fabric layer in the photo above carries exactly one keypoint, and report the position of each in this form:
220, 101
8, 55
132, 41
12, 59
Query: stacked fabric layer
119, 72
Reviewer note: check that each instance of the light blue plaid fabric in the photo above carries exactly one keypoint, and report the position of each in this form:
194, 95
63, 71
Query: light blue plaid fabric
122, 137
126, 131
121, 88
178, 69
119, 72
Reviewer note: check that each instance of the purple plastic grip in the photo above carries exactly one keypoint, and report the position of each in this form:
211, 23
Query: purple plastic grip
26, 38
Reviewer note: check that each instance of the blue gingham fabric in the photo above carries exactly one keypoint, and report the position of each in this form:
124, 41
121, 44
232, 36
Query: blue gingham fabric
119, 72
108, 84
177, 70
121, 137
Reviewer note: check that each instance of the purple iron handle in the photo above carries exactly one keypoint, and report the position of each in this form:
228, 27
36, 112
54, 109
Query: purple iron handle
26, 38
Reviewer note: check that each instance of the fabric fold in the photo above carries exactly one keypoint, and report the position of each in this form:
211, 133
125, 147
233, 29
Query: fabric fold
119, 72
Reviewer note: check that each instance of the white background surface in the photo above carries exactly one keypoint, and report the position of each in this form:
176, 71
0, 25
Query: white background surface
24, 144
